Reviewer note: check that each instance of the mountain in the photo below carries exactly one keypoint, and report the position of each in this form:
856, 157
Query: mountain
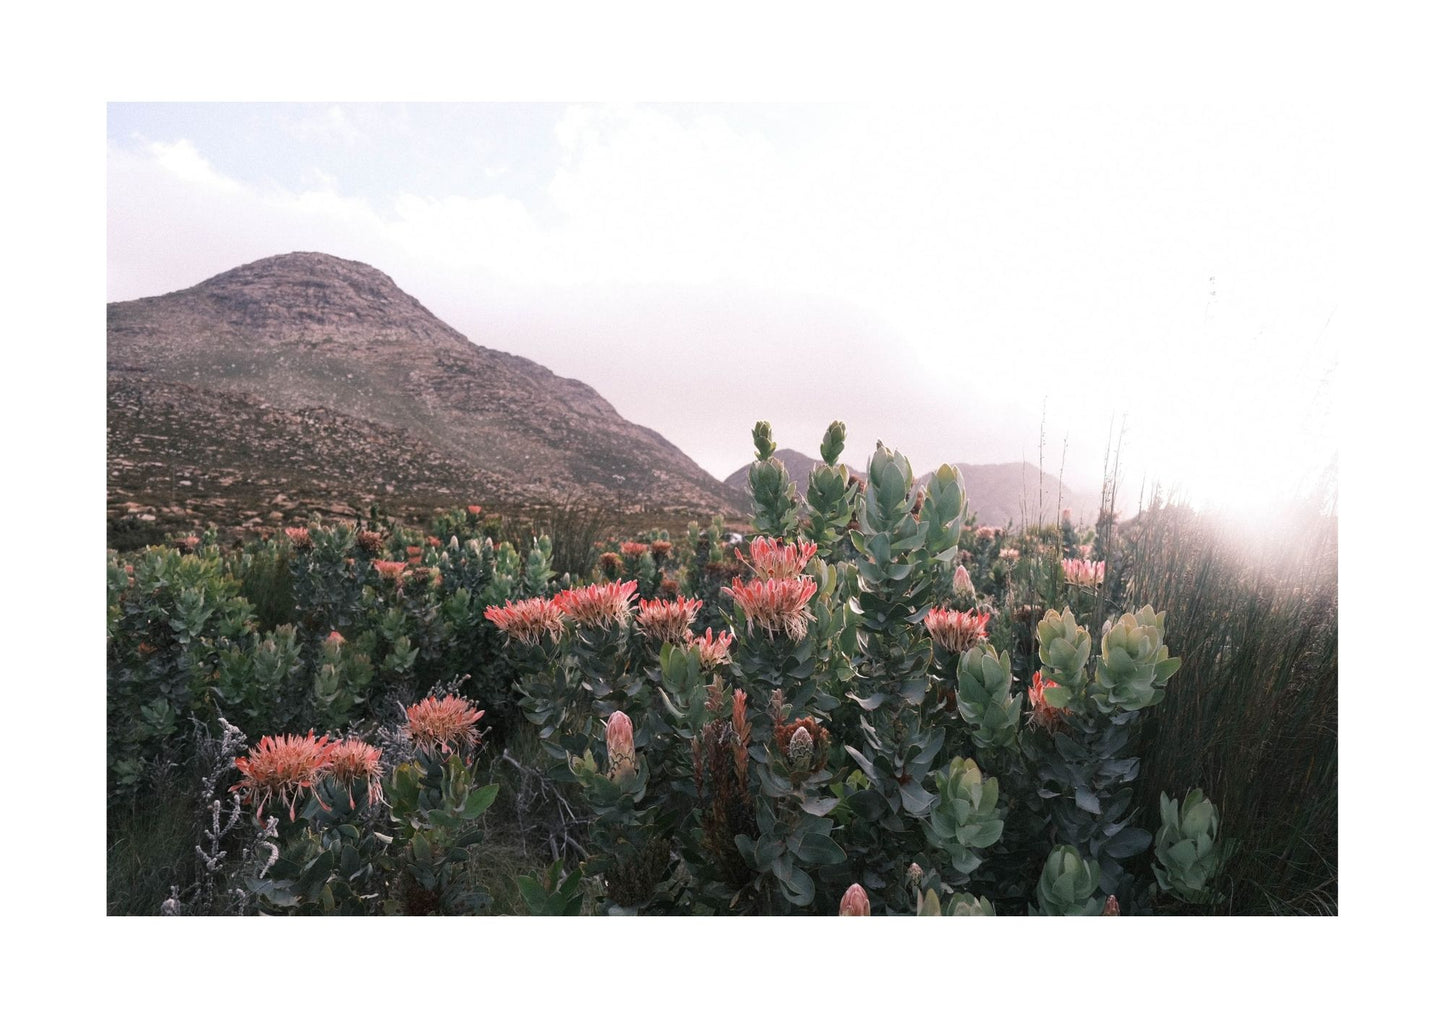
799, 465
1002, 493
998, 493
305, 382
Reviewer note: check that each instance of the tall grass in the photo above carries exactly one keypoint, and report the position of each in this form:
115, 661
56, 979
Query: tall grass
1252, 717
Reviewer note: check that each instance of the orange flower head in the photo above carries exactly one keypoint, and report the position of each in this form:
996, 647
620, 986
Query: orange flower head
774, 559
300, 537
282, 767
1041, 713
713, 650
474, 510
954, 630
600, 604
391, 570
661, 549
776, 605
353, 760
528, 621
444, 725
668, 621
634, 549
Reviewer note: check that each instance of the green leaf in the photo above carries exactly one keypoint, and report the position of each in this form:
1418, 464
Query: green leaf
479, 801
819, 850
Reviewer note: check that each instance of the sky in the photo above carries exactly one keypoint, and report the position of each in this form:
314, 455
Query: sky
964, 281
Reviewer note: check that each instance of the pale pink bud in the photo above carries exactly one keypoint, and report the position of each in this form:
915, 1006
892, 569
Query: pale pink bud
962, 582
621, 757
1111, 907
855, 902
915, 874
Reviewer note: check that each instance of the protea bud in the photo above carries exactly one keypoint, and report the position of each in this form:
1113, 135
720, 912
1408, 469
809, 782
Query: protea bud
621, 756
1111, 906
800, 749
962, 582
855, 902
915, 874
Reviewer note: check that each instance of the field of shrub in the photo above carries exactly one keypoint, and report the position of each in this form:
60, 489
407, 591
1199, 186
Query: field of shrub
867, 705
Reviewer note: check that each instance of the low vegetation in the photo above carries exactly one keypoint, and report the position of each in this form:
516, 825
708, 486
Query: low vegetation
868, 705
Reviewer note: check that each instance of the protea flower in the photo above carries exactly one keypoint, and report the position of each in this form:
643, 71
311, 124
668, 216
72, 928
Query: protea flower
771, 558
528, 621
855, 902
1041, 713
598, 605
1111, 906
300, 537
635, 549
370, 542
610, 563
353, 760
621, 754
1009, 554
776, 605
390, 570
444, 725
335, 639
713, 650
962, 582
661, 549
955, 630
1084, 573
668, 621
474, 510
282, 767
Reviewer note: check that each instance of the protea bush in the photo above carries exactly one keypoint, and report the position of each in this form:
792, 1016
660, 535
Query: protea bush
870, 704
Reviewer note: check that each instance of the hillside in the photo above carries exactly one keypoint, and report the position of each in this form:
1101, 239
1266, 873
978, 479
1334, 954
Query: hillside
997, 492
304, 381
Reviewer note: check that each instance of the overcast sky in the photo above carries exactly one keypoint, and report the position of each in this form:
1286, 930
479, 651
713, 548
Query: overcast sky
950, 279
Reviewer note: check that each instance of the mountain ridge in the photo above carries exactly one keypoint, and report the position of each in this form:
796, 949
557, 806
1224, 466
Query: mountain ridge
301, 331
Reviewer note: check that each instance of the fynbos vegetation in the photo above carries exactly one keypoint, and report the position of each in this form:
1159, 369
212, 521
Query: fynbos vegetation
868, 706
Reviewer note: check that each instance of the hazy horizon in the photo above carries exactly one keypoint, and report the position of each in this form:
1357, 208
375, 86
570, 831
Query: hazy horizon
946, 280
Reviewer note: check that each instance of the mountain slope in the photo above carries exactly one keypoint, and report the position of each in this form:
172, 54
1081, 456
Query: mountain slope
998, 493
276, 343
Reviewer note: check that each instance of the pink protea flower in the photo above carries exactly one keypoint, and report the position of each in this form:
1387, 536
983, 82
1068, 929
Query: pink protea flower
855, 902
528, 621
1009, 554
634, 549
300, 537
1084, 573
444, 725
611, 563
962, 582
1041, 713
370, 542
188, 545
390, 570
777, 606
353, 760
954, 630
621, 754
1111, 907
600, 604
772, 558
713, 650
668, 621
282, 767
661, 549
335, 639
474, 510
